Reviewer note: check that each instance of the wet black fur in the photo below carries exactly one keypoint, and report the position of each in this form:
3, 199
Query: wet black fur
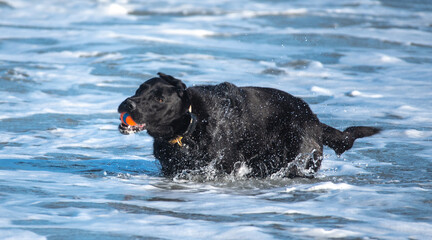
265, 128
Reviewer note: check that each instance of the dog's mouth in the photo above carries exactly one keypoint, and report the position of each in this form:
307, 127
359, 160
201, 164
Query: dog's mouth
127, 129
128, 125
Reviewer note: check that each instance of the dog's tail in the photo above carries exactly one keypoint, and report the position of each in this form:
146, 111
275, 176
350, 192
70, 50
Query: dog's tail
342, 141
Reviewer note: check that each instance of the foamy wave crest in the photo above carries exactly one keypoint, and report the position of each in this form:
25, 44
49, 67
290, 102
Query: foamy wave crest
253, 14
115, 9
322, 233
188, 32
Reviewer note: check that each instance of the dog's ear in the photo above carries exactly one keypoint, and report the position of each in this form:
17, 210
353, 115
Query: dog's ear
181, 87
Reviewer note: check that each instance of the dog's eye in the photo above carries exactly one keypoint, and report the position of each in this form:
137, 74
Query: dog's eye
159, 99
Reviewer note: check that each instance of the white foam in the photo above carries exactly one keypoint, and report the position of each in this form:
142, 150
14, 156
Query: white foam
243, 170
14, 234
258, 13
414, 230
310, 74
110, 57
414, 133
198, 56
71, 54
243, 232
188, 32
389, 59
325, 186
408, 108
321, 233
330, 186
375, 59
140, 37
356, 93
321, 91
315, 65
115, 9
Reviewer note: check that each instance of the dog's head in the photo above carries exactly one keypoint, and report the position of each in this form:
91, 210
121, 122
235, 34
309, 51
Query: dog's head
157, 104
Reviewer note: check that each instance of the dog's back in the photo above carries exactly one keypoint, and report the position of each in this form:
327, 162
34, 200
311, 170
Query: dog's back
269, 130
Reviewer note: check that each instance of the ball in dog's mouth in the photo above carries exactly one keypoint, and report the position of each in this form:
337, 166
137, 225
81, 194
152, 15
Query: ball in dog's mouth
128, 125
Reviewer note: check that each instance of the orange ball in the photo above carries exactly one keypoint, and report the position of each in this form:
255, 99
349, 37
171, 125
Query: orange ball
127, 119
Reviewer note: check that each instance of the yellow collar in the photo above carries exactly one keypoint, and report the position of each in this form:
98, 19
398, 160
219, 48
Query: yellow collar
177, 140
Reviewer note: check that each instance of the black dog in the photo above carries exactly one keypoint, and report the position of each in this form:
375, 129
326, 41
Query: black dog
262, 131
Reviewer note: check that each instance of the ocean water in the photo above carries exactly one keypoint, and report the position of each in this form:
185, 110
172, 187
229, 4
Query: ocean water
67, 173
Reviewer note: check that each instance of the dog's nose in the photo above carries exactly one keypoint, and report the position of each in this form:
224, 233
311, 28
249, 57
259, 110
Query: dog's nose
129, 105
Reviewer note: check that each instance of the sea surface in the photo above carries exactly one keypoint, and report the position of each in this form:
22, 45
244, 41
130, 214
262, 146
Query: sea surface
67, 173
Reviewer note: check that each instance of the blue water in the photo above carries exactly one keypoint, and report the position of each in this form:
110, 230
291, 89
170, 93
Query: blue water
67, 173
